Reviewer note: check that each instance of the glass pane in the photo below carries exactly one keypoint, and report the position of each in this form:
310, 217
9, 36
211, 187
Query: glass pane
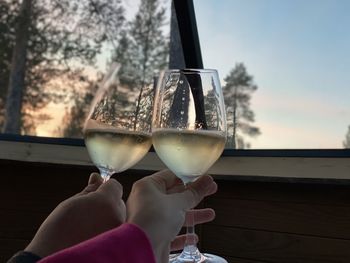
284, 65
69, 46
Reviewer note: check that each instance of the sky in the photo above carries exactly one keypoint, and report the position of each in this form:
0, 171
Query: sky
299, 54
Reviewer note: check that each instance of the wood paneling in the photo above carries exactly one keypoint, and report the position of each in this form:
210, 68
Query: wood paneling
256, 221
19, 224
304, 219
273, 246
293, 192
9, 247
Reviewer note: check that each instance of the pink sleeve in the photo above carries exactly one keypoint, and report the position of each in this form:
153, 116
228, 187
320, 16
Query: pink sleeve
127, 243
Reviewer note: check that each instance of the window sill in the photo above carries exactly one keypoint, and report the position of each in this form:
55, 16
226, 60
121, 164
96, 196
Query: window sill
243, 164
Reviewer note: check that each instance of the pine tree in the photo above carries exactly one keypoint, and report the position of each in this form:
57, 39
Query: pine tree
75, 116
62, 35
237, 93
146, 53
18, 68
8, 16
142, 50
346, 142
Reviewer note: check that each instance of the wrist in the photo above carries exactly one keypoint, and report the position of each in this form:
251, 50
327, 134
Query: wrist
162, 252
40, 251
160, 249
24, 256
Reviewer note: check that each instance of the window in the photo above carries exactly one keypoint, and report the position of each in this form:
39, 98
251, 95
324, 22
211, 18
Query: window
285, 105
288, 63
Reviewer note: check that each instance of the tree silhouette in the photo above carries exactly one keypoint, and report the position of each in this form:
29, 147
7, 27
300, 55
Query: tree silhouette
346, 142
18, 68
63, 36
75, 116
142, 50
237, 93
147, 52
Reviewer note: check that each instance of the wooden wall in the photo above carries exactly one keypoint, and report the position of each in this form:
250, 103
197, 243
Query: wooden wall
256, 221
280, 222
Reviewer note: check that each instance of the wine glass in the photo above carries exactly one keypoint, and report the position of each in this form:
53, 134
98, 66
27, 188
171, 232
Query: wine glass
117, 131
189, 134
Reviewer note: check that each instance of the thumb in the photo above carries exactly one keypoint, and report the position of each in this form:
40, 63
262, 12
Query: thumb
195, 192
112, 189
95, 180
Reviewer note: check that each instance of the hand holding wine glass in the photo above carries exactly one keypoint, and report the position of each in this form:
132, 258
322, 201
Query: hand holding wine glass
157, 203
189, 133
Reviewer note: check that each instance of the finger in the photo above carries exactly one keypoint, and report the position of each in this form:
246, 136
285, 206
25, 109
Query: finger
195, 192
181, 187
199, 216
165, 179
112, 188
176, 188
95, 180
213, 189
179, 242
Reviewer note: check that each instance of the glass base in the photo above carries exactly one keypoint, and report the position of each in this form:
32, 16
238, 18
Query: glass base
197, 258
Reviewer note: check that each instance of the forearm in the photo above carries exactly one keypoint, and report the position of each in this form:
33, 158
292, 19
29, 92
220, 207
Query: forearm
127, 242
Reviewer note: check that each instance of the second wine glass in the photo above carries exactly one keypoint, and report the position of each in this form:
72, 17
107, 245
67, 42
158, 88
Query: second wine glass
189, 134
117, 131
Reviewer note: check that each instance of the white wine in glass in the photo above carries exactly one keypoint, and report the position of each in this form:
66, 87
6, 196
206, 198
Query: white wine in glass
117, 132
189, 134
177, 148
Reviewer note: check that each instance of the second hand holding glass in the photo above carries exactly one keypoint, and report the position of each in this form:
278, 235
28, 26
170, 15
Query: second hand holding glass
189, 134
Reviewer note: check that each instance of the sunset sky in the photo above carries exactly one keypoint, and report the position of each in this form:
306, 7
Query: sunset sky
299, 54
57, 111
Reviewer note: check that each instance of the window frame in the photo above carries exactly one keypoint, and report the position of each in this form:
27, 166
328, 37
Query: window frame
312, 164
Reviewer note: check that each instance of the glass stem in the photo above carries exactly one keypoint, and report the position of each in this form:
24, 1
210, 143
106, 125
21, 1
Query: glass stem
190, 230
190, 251
105, 174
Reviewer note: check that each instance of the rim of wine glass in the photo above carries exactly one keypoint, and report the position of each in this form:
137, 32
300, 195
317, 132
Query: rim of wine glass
191, 70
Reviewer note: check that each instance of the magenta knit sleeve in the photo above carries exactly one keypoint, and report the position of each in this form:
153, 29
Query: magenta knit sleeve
127, 243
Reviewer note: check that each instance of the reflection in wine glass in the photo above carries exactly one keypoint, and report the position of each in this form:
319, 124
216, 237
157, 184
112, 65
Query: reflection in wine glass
117, 130
189, 133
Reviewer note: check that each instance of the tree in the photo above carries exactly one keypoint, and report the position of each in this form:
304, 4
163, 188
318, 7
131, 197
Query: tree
17, 75
142, 50
346, 142
7, 35
237, 93
147, 50
212, 107
63, 36
75, 116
